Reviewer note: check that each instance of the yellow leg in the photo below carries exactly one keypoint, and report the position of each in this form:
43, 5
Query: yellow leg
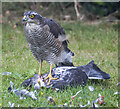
40, 68
50, 76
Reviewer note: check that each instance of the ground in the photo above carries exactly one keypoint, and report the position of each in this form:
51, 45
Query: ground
98, 42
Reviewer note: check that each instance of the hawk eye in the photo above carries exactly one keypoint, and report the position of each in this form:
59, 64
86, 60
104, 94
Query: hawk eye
31, 16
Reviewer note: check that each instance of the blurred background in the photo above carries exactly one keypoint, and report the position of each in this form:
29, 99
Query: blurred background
67, 11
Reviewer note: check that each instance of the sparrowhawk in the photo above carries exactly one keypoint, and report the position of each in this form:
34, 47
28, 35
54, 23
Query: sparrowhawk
47, 41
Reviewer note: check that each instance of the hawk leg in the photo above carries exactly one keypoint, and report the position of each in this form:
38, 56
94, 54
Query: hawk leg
50, 76
40, 68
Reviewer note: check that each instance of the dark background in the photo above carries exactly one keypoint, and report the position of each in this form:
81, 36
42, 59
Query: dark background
89, 11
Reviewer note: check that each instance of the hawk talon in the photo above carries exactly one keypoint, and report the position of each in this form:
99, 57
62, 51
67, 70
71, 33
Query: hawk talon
50, 78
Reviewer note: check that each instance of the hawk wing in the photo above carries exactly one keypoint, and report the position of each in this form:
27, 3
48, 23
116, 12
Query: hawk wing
57, 31
55, 28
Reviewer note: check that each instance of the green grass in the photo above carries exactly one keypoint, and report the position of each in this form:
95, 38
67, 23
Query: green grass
88, 42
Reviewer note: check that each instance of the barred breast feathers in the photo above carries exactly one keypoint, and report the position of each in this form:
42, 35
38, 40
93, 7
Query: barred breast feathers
43, 42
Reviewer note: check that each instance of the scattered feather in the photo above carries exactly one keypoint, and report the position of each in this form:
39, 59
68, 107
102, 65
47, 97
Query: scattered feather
50, 99
35, 92
42, 82
99, 94
17, 92
11, 104
91, 88
118, 84
32, 95
11, 86
76, 94
18, 105
22, 92
65, 105
57, 89
37, 86
94, 105
86, 104
21, 98
7, 73
11, 83
117, 93
70, 104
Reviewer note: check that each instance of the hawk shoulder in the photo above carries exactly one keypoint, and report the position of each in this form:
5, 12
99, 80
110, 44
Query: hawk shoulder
54, 28
57, 31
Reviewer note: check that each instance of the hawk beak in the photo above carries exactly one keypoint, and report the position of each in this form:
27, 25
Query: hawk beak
24, 19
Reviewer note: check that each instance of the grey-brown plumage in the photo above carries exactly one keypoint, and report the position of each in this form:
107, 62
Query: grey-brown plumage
43, 44
46, 39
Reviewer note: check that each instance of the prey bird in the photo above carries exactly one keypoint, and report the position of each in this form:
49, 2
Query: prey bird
47, 41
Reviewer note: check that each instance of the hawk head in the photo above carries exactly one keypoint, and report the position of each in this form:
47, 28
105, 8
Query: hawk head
31, 17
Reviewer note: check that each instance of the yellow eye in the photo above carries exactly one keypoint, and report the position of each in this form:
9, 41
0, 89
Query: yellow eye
31, 16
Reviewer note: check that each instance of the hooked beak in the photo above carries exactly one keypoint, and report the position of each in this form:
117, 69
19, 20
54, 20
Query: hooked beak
24, 19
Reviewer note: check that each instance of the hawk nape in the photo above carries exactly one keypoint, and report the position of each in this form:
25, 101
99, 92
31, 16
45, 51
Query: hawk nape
47, 41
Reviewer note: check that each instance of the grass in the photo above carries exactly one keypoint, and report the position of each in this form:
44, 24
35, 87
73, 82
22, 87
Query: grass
88, 42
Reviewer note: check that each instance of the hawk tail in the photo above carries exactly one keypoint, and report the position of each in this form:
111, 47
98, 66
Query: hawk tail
67, 61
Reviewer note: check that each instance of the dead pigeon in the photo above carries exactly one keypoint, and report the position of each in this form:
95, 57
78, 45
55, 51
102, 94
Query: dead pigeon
70, 76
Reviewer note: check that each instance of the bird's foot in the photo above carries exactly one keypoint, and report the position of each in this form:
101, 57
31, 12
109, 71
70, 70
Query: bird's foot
50, 78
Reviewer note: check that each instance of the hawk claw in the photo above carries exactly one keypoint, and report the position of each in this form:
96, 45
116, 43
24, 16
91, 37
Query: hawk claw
50, 78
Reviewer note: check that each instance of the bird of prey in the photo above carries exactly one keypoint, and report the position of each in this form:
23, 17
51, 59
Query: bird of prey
47, 41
